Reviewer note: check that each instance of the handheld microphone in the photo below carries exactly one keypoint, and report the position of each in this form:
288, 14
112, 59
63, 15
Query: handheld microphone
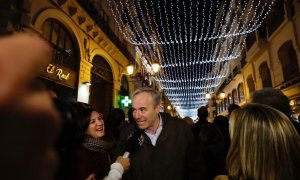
126, 154
133, 143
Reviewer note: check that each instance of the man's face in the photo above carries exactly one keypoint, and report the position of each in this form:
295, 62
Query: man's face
144, 112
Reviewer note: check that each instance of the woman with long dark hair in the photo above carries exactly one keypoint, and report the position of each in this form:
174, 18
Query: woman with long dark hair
91, 159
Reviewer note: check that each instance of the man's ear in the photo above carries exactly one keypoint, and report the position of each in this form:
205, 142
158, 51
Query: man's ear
157, 108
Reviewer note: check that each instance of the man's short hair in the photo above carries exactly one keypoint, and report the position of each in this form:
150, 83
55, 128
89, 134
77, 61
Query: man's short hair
232, 107
202, 112
274, 98
154, 93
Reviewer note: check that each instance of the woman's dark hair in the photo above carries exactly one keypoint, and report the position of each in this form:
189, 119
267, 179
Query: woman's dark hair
115, 118
222, 123
84, 118
213, 148
114, 122
130, 116
210, 134
69, 130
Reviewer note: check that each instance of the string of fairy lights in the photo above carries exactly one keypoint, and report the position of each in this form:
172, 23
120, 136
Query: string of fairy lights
194, 41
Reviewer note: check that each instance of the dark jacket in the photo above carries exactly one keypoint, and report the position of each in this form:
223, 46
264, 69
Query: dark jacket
85, 162
176, 155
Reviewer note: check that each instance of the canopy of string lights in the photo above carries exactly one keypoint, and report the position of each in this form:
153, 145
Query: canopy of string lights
194, 41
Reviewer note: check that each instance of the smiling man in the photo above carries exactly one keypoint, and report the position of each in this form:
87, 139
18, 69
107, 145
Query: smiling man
169, 150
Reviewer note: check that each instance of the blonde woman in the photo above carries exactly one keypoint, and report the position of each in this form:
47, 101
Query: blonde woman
264, 145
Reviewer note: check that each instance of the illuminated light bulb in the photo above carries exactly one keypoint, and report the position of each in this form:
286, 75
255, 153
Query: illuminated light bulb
155, 67
222, 95
179, 29
292, 102
207, 95
130, 69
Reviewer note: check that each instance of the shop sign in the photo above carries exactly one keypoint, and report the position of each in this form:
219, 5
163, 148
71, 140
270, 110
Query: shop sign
124, 101
60, 75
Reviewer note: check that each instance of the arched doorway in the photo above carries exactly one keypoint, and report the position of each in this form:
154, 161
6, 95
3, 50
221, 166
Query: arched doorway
101, 97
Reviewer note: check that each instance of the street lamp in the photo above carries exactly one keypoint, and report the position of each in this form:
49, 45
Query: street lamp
130, 69
142, 74
207, 95
155, 67
222, 95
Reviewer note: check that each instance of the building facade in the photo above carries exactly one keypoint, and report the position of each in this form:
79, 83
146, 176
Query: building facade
89, 55
271, 59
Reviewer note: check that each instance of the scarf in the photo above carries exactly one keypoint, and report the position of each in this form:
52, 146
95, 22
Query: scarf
96, 144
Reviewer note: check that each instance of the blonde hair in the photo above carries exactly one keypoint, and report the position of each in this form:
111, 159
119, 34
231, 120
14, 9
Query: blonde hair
264, 144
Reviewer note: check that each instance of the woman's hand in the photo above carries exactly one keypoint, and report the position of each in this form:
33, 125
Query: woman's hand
125, 162
91, 177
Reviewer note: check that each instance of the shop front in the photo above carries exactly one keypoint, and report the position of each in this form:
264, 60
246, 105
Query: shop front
61, 75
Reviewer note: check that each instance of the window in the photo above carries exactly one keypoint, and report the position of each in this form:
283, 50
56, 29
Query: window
62, 43
229, 99
234, 96
250, 40
289, 61
225, 104
251, 85
265, 76
241, 94
275, 17
243, 58
262, 30
124, 91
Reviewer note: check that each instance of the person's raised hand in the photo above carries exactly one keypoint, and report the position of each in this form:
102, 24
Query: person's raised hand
29, 123
22, 56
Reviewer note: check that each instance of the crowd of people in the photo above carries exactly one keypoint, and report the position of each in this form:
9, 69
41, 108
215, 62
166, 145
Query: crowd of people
42, 138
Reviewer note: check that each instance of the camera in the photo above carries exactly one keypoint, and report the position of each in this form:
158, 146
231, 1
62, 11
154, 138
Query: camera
67, 140
69, 112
